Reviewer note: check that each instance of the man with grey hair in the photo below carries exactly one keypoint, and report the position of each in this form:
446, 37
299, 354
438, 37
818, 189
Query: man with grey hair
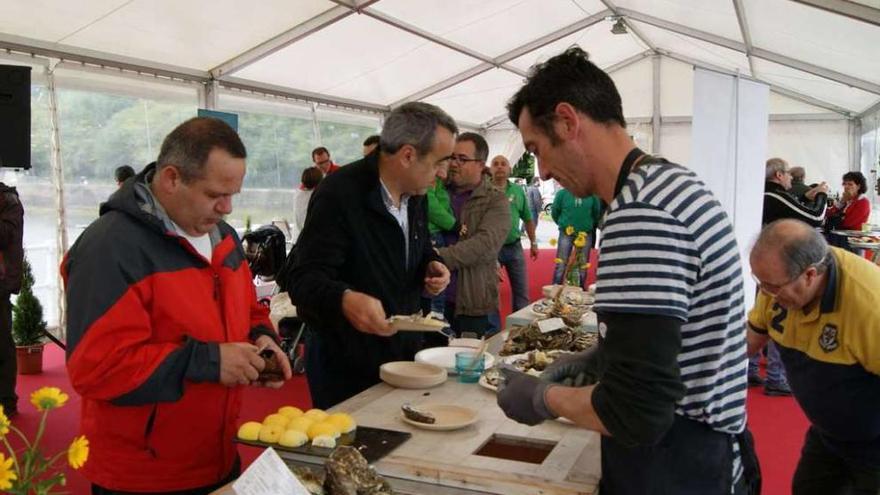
164, 328
364, 254
779, 204
819, 304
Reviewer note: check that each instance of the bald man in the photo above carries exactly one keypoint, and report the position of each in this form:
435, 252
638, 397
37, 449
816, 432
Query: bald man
511, 255
819, 305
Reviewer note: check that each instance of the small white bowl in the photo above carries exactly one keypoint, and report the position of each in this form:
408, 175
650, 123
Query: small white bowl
407, 374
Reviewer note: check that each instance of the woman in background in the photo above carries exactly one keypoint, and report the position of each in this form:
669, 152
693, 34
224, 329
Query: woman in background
310, 179
854, 206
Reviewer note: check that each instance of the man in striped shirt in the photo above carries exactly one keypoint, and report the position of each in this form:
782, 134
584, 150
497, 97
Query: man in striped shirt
669, 375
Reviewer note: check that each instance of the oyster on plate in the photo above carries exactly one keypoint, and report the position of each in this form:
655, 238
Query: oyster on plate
312, 480
348, 473
528, 338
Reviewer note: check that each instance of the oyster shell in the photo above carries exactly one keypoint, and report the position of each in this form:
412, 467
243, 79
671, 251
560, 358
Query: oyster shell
529, 338
349, 474
312, 480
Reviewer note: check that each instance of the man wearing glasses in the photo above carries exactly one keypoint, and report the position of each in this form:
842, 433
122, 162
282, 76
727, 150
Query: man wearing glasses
819, 305
779, 204
364, 254
472, 253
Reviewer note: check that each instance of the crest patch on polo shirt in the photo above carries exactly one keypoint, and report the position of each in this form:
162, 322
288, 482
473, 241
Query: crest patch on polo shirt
828, 338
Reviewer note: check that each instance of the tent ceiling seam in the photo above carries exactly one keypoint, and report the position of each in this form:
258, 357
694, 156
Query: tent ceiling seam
822, 72
746, 34
849, 9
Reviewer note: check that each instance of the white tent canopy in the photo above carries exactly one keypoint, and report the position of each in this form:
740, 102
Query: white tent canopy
352, 61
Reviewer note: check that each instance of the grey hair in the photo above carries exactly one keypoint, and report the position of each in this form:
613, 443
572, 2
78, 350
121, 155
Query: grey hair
798, 173
775, 165
414, 123
799, 249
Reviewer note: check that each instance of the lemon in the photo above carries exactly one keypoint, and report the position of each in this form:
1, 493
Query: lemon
276, 419
300, 424
316, 414
344, 422
270, 433
326, 441
290, 412
249, 431
321, 429
293, 438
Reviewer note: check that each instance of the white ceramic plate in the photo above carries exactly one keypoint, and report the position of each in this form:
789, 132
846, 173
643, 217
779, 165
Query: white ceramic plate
444, 357
448, 417
407, 374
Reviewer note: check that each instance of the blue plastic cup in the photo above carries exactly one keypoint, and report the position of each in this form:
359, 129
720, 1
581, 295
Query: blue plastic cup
469, 366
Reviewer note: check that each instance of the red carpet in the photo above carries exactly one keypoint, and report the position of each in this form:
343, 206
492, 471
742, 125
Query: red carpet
777, 423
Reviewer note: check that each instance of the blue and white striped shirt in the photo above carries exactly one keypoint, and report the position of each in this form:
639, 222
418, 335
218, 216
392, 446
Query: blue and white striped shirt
668, 248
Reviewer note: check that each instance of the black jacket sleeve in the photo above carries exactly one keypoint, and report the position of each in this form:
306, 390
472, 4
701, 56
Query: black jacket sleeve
639, 381
314, 284
779, 205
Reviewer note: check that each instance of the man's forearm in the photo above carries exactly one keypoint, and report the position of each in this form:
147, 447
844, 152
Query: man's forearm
576, 404
756, 341
530, 230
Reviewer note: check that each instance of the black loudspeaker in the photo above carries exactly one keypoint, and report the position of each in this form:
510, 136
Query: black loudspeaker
15, 116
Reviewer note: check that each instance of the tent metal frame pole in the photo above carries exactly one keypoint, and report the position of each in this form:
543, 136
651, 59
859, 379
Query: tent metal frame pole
635, 30
316, 127
873, 108
655, 117
212, 90
773, 87
757, 52
305, 96
746, 34
849, 9
856, 147
58, 183
504, 58
283, 40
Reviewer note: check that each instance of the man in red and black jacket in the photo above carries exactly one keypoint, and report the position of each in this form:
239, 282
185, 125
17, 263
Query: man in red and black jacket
163, 323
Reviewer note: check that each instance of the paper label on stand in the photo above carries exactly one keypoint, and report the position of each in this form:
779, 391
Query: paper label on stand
551, 325
268, 475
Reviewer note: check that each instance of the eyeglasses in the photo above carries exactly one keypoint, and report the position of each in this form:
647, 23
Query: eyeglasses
775, 289
463, 159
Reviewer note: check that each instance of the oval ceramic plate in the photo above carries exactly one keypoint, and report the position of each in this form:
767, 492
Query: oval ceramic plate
447, 416
407, 374
444, 357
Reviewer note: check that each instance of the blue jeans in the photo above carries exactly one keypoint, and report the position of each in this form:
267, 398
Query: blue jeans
438, 302
775, 371
511, 258
563, 250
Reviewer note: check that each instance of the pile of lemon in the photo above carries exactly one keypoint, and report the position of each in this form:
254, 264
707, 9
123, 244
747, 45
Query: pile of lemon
291, 427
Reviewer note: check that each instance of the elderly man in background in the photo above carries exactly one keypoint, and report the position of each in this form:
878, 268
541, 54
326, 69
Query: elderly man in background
819, 305
365, 254
164, 327
472, 252
511, 255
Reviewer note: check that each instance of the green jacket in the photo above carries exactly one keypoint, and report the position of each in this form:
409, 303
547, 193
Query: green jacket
440, 217
519, 210
581, 213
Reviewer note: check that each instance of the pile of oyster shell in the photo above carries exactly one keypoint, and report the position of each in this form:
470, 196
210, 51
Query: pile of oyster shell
528, 338
346, 472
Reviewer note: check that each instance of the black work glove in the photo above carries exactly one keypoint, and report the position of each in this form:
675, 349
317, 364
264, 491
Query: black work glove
521, 397
574, 370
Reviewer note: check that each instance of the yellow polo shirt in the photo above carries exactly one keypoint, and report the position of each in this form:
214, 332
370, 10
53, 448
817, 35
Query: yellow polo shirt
832, 355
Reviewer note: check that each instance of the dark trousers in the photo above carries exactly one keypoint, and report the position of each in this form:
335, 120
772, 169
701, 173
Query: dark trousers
8, 371
691, 459
331, 381
205, 490
512, 259
479, 325
821, 472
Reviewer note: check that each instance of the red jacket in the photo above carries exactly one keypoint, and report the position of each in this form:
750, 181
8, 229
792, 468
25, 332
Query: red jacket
855, 213
146, 315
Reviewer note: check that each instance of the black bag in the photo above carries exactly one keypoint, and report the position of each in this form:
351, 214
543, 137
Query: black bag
264, 249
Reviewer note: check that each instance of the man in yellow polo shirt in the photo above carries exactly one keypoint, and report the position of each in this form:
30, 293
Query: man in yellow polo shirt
821, 306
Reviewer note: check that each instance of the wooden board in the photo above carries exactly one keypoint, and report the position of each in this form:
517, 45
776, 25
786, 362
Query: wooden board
444, 462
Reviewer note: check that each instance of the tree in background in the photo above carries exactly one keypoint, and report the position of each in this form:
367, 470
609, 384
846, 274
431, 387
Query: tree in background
28, 326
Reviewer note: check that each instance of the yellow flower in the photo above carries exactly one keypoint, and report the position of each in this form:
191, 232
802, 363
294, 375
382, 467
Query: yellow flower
7, 473
585, 266
569, 230
78, 452
48, 398
4, 423
553, 241
581, 241
557, 260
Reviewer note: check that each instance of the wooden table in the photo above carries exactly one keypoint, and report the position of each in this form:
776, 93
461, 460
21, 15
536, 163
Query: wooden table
433, 462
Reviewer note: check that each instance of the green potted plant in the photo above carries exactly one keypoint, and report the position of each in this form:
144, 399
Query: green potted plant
28, 327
